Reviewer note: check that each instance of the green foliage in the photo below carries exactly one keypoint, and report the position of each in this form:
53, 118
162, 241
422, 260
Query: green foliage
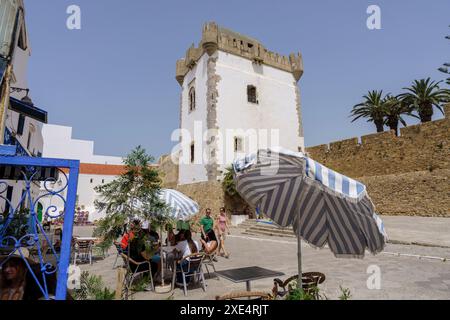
394, 109
132, 194
92, 288
299, 294
423, 95
294, 293
141, 284
372, 108
445, 66
345, 293
18, 225
228, 184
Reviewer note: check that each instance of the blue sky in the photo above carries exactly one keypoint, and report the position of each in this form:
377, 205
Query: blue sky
114, 82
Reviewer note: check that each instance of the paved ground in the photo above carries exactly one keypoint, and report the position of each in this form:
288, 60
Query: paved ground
407, 271
422, 230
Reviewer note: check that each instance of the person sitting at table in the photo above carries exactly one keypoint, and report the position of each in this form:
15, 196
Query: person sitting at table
211, 243
152, 233
139, 254
170, 240
183, 249
179, 236
129, 235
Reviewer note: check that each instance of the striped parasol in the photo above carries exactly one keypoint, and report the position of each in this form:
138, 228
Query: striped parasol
324, 207
181, 207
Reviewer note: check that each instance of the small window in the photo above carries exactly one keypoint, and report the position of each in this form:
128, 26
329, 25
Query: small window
92, 180
192, 153
192, 99
103, 180
22, 42
251, 94
29, 139
237, 144
20, 124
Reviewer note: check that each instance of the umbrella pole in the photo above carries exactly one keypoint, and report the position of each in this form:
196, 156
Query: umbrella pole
161, 254
299, 256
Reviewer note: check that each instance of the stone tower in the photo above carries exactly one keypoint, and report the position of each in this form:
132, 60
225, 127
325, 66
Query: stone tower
236, 97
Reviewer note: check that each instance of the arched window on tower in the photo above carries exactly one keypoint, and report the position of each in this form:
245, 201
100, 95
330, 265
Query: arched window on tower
192, 99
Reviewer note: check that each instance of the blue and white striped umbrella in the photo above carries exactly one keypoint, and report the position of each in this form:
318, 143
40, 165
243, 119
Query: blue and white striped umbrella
181, 207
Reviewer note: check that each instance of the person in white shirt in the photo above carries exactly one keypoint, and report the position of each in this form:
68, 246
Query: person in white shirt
187, 246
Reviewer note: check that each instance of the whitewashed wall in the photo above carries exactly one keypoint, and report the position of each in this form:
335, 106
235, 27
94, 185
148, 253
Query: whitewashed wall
58, 143
276, 110
191, 173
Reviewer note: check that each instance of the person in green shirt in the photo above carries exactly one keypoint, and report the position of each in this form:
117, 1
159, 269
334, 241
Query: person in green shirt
206, 224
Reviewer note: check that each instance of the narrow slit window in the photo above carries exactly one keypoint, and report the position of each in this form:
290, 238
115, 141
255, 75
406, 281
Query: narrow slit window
251, 94
237, 144
20, 124
192, 99
192, 152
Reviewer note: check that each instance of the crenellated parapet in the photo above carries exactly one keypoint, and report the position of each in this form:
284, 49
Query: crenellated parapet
217, 38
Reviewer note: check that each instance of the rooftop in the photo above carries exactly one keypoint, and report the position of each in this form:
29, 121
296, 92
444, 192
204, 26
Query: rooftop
218, 38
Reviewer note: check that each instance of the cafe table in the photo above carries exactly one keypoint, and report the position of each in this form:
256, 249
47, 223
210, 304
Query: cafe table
248, 274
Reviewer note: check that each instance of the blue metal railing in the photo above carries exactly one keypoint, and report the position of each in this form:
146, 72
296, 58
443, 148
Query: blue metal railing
13, 242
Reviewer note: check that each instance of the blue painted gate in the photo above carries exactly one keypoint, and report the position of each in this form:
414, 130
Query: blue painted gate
43, 171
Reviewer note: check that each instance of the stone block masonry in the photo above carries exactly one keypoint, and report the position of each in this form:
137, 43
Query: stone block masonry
408, 175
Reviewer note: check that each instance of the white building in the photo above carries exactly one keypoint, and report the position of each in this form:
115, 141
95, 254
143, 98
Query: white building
23, 120
94, 169
236, 97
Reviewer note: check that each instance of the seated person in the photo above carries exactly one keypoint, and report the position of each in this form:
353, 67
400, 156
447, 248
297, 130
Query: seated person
211, 243
183, 249
18, 283
129, 235
179, 236
153, 234
139, 254
170, 240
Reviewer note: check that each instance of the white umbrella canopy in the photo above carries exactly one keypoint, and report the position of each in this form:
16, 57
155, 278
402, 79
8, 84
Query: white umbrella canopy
180, 207
323, 206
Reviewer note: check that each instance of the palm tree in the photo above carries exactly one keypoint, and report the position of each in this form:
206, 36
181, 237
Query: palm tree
395, 108
371, 108
423, 95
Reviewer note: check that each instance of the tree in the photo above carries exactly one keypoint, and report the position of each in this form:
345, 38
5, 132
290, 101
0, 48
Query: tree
423, 95
228, 184
371, 108
134, 194
445, 66
395, 108
229, 187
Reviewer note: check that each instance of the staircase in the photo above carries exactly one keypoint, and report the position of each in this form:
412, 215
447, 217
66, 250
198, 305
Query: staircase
251, 227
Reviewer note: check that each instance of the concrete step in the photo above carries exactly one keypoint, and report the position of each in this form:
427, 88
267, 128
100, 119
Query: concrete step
268, 230
269, 227
268, 233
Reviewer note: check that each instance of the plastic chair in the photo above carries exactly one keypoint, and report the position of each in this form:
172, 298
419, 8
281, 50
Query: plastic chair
310, 282
132, 274
190, 267
209, 261
82, 249
119, 252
